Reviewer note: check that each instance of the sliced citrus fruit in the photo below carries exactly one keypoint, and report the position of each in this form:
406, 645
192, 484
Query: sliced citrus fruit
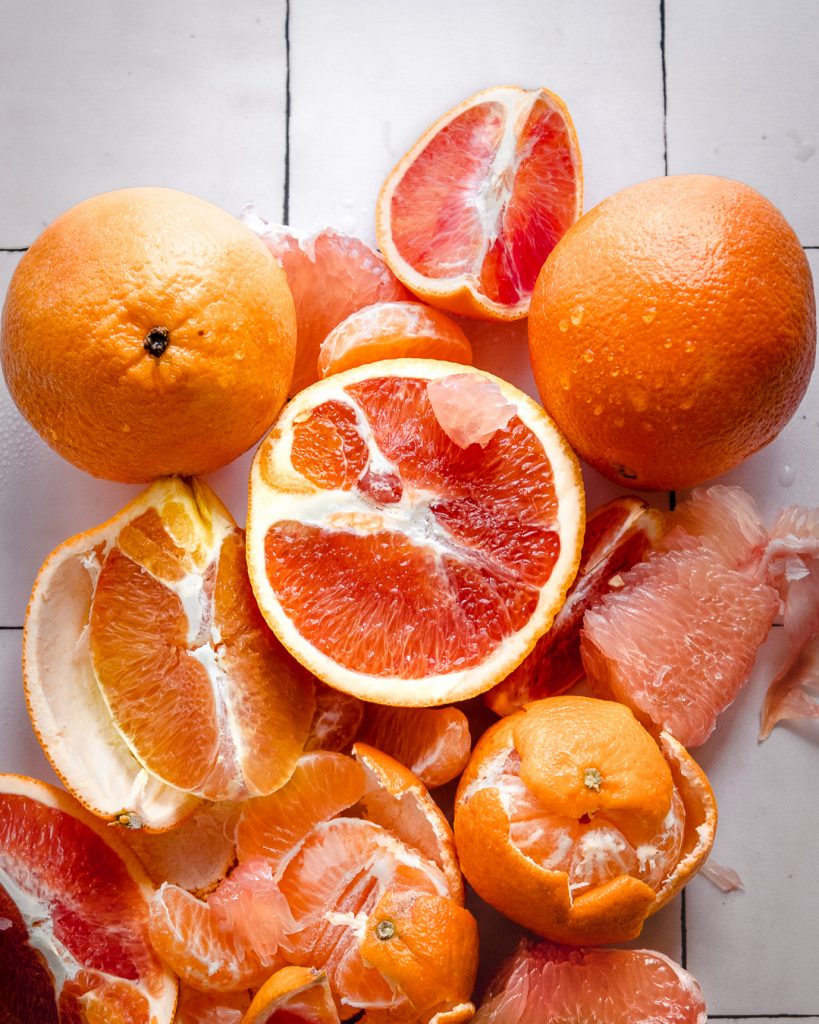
336, 721
195, 855
392, 562
618, 534
196, 1007
468, 216
322, 785
170, 673
679, 638
74, 904
394, 798
434, 743
392, 330
572, 821
230, 942
291, 996
550, 982
330, 275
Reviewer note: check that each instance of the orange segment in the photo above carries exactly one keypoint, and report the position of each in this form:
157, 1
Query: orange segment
392, 330
336, 721
468, 216
228, 943
195, 682
434, 743
573, 822
196, 1007
291, 996
330, 275
76, 905
322, 785
381, 552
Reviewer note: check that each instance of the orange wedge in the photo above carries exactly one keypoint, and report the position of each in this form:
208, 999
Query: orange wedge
74, 910
434, 743
392, 330
413, 528
145, 635
293, 995
468, 216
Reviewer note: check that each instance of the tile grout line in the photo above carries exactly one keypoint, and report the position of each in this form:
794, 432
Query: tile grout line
665, 89
683, 933
23, 248
286, 200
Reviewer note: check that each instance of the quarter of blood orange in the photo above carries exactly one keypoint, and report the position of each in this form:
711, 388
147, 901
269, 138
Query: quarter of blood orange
330, 275
293, 995
74, 916
399, 565
392, 330
468, 216
544, 981
145, 635
348, 868
679, 638
618, 534
571, 820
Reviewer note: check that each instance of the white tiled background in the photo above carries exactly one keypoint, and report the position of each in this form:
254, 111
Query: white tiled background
303, 107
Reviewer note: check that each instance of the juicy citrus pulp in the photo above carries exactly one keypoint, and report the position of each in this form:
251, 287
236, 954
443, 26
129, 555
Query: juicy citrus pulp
470, 213
396, 564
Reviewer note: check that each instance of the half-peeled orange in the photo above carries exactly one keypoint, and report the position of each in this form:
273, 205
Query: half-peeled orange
413, 528
468, 216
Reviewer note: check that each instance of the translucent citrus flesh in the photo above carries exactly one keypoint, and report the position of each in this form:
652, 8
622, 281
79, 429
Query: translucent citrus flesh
207, 699
322, 785
434, 743
330, 275
618, 535
392, 330
491, 512
576, 985
467, 205
87, 901
196, 1007
590, 850
336, 721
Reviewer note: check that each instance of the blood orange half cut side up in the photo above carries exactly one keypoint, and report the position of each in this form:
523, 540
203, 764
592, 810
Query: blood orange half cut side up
74, 916
468, 216
394, 563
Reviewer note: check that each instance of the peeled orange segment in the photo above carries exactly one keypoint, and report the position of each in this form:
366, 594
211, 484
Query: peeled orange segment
336, 721
434, 743
575, 985
330, 275
573, 822
394, 798
468, 216
196, 1007
679, 638
396, 565
291, 996
196, 855
618, 535
229, 942
74, 904
322, 785
392, 330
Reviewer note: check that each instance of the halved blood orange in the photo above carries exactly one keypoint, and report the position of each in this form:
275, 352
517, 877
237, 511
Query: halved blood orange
144, 633
74, 913
544, 981
293, 995
394, 563
330, 275
468, 216
392, 330
618, 534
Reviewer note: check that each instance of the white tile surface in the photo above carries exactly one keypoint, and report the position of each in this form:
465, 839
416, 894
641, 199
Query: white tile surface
100, 95
400, 66
743, 98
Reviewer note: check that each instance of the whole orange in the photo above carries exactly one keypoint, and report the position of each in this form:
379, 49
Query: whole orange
672, 330
147, 332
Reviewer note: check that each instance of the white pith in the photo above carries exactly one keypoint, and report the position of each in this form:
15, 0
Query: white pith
36, 914
292, 496
490, 203
67, 706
